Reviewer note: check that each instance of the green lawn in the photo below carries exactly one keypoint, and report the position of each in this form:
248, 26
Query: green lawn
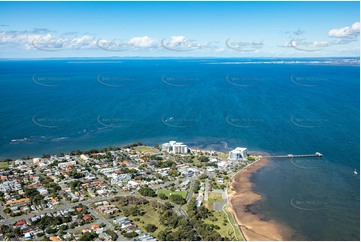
215, 197
235, 225
225, 227
4, 165
223, 155
144, 149
150, 217
196, 160
169, 192
209, 205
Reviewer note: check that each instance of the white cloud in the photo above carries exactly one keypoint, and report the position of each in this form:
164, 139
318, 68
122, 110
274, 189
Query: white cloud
83, 42
143, 42
181, 43
44, 39
178, 39
349, 32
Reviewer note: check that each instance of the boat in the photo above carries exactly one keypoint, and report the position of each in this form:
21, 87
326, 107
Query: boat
355, 172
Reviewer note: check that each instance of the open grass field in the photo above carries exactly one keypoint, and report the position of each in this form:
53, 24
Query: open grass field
225, 227
169, 192
238, 232
223, 155
150, 217
3, 165
215, 197
144, 149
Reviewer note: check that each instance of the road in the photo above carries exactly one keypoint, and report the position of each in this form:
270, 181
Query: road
190, 193
206, 190
99, 220
2, 214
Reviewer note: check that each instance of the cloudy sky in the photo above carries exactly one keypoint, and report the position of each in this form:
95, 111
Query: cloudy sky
194, 29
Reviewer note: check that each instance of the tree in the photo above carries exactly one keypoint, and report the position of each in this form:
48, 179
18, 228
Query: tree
4, 229
203, 212
9, 235
17, 231
51, 230
197, 183
150, 228
130, 235
112, 234
134, 211
177, 199
204, 159
162, 235
160, 195
88, 236
147, 191
250, 158
64, 227
173, 172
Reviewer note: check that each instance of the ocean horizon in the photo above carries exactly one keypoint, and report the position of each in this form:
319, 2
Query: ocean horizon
275, 105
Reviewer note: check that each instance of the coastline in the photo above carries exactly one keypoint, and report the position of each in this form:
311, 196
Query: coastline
243, 203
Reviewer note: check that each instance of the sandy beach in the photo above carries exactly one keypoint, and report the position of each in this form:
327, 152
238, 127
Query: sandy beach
244, 203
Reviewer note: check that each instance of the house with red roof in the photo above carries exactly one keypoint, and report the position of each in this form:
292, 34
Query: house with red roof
20, 223
87, 217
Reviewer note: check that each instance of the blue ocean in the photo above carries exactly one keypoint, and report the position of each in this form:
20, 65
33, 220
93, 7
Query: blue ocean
279, 106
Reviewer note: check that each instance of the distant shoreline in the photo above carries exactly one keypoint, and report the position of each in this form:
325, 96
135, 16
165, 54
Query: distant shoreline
16, 156
243, 203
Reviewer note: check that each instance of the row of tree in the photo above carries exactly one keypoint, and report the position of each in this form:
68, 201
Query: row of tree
177, 228
129, 200
196, 218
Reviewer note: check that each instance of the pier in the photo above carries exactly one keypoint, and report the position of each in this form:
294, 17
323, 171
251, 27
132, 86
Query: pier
317, 154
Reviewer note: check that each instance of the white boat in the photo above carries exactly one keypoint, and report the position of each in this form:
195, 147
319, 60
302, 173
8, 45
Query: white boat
355, 172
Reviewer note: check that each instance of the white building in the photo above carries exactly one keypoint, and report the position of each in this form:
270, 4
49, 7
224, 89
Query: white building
175, 147
66, 164
19, 162
238, 154
42, 191
84, 157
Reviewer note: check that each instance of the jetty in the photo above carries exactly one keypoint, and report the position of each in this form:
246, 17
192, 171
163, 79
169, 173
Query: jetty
317, 154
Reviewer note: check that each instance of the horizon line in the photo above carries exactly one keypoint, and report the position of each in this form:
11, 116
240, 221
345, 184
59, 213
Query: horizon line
174, 57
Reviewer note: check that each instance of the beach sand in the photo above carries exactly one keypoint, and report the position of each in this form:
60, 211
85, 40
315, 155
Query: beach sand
244, 205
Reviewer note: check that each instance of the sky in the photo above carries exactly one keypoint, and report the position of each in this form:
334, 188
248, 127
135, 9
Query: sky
179, 29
